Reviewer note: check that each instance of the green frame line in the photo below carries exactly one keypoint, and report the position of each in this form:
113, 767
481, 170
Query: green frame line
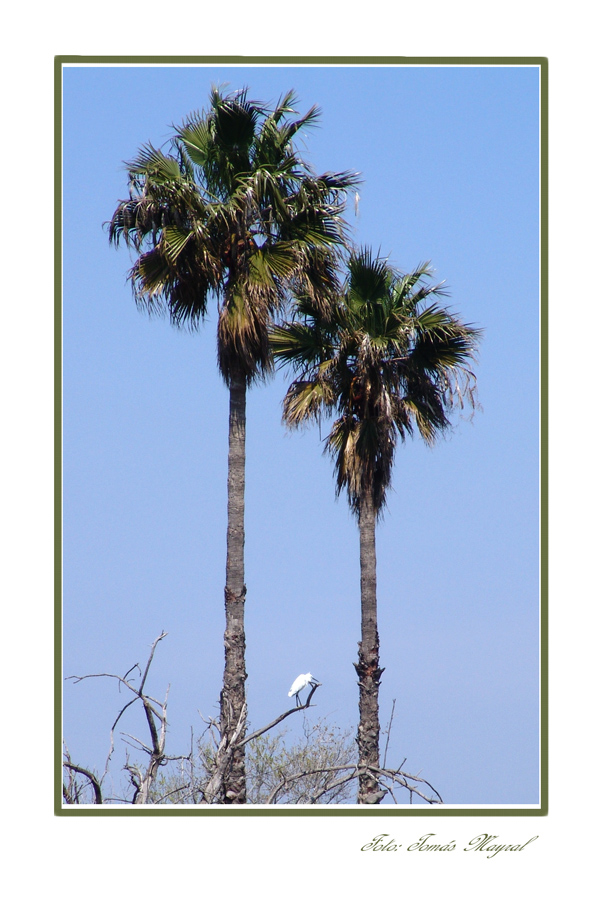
435, 811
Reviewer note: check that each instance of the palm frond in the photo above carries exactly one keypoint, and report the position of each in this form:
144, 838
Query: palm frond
154, 164
270, 262
151, 274
306, 400
196, 137
299, 345
174, 242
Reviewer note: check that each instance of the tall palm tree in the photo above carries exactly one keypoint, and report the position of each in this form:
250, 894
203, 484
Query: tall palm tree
232, 211
385, 359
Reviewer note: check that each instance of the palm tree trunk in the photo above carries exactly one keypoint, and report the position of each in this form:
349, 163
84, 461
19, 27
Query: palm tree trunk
232, 698
368, 670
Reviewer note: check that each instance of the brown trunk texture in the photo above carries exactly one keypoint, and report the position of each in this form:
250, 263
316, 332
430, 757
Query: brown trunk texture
232, 698
367, 667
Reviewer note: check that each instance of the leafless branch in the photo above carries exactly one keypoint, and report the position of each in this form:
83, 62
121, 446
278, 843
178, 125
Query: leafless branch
403, 779
386, 777
287, 780
71, 791
388, 730
280, 718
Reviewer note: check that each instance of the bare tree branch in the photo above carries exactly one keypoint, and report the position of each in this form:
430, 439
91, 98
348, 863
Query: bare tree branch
354, 771
97, 789
403, 779
388, 730
280, 718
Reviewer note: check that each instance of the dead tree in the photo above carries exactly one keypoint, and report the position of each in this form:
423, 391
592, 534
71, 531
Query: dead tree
142, 777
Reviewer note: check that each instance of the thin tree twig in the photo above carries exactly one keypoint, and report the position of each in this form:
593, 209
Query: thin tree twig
392, 712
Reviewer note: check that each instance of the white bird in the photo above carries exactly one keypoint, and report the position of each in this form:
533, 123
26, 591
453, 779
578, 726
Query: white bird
300, 682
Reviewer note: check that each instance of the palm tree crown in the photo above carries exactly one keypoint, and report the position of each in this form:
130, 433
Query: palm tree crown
386, 359
231, 210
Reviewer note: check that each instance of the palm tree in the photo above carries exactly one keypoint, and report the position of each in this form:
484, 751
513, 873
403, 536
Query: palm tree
385, 359
232, 211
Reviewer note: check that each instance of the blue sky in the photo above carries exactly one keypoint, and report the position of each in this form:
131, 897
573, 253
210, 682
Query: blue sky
449, 158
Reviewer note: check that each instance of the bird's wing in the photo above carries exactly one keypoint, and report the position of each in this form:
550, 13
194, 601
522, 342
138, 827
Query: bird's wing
298, 683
